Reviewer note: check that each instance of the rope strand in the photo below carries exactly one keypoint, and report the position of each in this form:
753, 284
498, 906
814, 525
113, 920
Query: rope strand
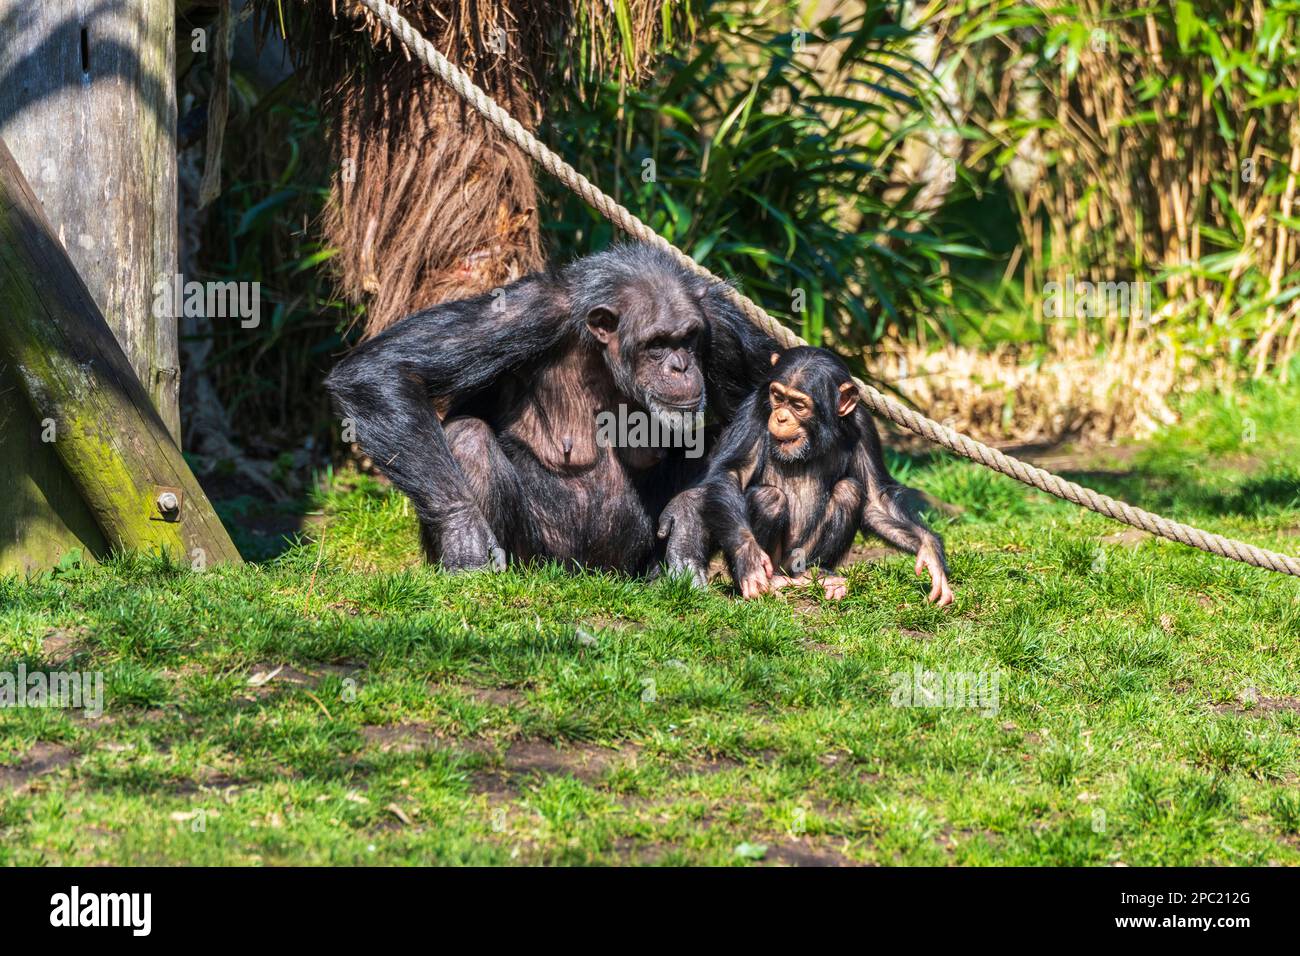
881, 404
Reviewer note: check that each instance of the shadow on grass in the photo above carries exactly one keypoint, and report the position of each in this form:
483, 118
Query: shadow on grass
1158, 482
1195, 489
264, 530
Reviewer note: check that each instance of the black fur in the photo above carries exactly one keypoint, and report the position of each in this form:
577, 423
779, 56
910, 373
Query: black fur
521, 378
803, 511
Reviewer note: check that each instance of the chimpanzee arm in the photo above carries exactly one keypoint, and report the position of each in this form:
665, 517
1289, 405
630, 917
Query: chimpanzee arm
739, 354
885, 513
386, 386
735, 358
726, 513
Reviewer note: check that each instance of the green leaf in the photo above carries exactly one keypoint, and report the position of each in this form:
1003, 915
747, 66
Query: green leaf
69, 561
273, 201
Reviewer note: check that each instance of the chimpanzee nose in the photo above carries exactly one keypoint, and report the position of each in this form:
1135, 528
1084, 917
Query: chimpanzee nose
678, 362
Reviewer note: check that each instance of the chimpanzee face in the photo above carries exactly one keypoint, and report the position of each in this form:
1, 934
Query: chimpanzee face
792, 410
808, 393
651, 343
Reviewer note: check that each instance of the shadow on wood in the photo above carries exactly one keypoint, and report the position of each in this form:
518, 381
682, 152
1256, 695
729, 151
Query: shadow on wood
80, 386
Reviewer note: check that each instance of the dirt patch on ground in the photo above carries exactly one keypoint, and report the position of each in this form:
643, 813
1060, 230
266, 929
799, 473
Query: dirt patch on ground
586, 763
951, 839
62, 644
402, 739
801, 853
1100, 459
43, 758
282, 674
348, 606
866, 554
528, 760
266, 679
614, 625
495, 696
207, 782
633, 852
411, 738
820, 648
1263, 705
1131, 538
719, 763
712, 765
802, 599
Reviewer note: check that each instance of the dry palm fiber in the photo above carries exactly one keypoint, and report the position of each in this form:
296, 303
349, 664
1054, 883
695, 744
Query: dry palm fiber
429, 202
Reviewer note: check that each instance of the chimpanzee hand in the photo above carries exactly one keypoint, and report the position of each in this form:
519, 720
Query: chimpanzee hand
680, 526
468, 542
929, 560
753, 569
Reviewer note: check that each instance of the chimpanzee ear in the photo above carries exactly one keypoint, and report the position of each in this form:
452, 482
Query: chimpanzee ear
603, 323
776, 357
848, 398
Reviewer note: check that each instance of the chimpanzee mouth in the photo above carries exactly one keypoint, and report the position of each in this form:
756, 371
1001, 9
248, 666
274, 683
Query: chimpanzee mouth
792, 449
677, 416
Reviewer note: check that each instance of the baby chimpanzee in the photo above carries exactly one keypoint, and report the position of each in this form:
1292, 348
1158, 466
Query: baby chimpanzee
797, 473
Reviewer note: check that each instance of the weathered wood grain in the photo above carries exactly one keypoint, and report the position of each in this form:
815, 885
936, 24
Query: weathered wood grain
71, 371
42, 516
92, 127
88, 108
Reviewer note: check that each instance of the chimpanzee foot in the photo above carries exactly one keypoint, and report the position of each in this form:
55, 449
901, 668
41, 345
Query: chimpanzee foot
834, 586
780, 581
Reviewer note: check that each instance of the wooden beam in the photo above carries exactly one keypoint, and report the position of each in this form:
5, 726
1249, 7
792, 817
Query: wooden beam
73, 374
88, 108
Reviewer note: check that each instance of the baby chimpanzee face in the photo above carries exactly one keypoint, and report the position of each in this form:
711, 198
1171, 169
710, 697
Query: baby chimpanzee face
791, 410
809, 391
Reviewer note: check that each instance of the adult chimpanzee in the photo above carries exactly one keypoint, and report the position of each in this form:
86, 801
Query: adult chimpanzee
521, 374
797, 473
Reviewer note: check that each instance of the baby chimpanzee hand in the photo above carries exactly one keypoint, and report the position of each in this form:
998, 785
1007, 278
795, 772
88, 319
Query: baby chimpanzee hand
940, 590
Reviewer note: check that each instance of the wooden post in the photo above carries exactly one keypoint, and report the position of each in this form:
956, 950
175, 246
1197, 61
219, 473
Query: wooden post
78, 383
88, 107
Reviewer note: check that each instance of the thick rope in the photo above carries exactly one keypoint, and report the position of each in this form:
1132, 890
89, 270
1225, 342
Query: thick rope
875, 400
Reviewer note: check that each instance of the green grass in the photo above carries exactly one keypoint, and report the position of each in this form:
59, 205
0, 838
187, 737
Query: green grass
1147, 712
